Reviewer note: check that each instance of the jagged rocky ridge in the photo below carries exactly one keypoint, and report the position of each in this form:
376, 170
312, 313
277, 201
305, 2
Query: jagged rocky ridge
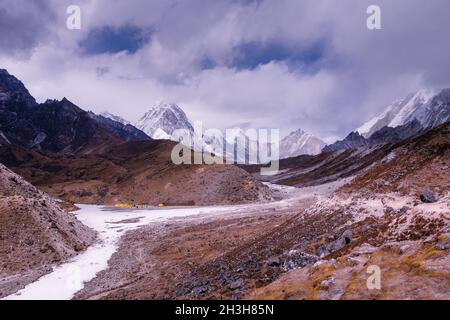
54, 126
430, 107
13, 91
119, 128
384, 135
405, 118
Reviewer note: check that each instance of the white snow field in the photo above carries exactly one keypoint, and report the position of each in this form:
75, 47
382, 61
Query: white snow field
110, 223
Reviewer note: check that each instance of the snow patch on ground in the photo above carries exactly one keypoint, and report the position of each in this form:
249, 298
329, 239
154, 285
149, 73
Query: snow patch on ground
110, 223
388, 158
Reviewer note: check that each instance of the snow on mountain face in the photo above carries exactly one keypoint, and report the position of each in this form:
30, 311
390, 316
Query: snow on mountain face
118, 126
114, 117
429, 107
237, 144
3, 139
298, 143
163, 119
439, 110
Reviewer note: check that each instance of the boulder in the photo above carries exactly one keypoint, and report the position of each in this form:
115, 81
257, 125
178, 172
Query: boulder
327, 283
345, 239
443, 245
236, 284
297, 259
428, 196
404, 210
274, 262
389, 210
200, 290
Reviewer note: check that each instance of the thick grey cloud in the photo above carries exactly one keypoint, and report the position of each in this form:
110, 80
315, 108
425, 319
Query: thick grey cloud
284, 64
23, 24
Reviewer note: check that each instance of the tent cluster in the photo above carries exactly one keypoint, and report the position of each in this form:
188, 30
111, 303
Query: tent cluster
135, 206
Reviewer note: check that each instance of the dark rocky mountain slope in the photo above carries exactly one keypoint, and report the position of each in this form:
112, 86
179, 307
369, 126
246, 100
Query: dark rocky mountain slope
384, 135
126, 132
54, 126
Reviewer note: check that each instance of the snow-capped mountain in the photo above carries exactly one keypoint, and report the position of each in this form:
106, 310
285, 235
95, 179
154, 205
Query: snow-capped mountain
114, 117
429, 107
227, 145
299, 142
422, 110
162, 120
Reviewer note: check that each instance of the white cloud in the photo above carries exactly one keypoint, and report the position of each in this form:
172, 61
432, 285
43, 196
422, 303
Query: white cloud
361, 70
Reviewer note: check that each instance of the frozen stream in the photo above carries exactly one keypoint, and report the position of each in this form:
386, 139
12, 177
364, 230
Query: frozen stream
67, 279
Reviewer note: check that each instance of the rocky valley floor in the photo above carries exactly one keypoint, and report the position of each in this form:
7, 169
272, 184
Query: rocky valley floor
312, 243
321, 250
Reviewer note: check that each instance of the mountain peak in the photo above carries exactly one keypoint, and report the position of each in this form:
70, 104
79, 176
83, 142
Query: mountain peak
166, 105
420, 105
298, 132
164, 118
13, 90
299, 142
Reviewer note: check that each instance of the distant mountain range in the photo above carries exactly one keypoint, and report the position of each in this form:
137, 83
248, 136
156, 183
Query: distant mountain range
419, 111
299, 143
61, 126
161, 121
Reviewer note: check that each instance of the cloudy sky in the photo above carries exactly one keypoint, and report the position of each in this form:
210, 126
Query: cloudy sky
287, 64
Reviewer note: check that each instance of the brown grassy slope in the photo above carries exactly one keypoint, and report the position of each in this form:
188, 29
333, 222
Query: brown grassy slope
413, 166
408, 271
138, 171
34, 232
305, 170
406, 238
